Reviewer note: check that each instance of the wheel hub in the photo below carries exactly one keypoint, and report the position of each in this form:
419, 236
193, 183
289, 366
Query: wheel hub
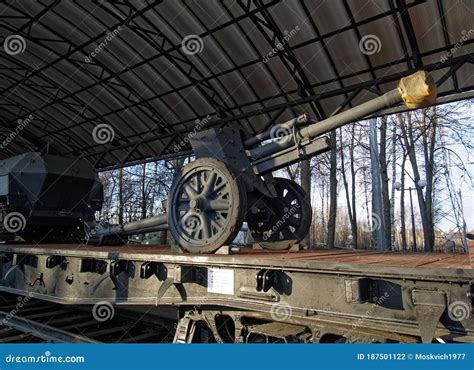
198, 204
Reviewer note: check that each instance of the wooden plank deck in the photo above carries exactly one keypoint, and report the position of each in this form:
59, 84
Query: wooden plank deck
367, 257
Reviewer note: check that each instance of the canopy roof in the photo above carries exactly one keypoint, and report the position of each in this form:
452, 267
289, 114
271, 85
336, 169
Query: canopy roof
150, 69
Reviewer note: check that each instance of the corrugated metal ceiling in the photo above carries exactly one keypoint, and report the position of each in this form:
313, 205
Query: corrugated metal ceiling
124, 65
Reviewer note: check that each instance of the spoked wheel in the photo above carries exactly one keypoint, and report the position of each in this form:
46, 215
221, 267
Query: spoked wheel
285, 219
206, 206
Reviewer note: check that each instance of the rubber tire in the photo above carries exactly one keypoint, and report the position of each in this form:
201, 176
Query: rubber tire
306, 220
237, 212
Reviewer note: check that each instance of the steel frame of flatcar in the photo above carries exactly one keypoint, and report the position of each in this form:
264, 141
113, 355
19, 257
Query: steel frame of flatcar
29, 320
277, 299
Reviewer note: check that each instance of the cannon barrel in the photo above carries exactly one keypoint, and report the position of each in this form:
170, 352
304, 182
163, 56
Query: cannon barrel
98, 234
416, 91
288, 125
147, 223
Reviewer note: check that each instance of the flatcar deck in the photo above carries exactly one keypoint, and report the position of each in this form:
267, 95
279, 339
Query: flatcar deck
357, 294
327, 258
367, 257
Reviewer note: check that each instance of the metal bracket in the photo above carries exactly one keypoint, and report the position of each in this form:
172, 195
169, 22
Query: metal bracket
180, 274
25, 260
291, 155
53, 261
148, 269
118, 266
300, 141
429, 306
357, 290
166, 285
369, 290
210, 319
93, 265
266, 279
175, 277
225, 249
184, 331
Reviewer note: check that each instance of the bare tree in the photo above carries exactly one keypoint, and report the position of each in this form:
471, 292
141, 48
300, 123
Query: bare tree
350, 200
394, 179
403, 232
331, 235
120, 196
387, 222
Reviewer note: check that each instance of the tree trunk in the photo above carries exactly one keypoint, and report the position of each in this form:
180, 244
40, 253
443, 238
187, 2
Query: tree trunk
306, 185
377, 224
367, 203
323, 203
331, 236
120, 197
355, 235
410, 144
352, 221
403, 226
143, 200
384, 179
394, 179
429, 137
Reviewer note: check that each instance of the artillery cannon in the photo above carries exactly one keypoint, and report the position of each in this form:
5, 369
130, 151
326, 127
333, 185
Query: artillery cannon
231, 182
